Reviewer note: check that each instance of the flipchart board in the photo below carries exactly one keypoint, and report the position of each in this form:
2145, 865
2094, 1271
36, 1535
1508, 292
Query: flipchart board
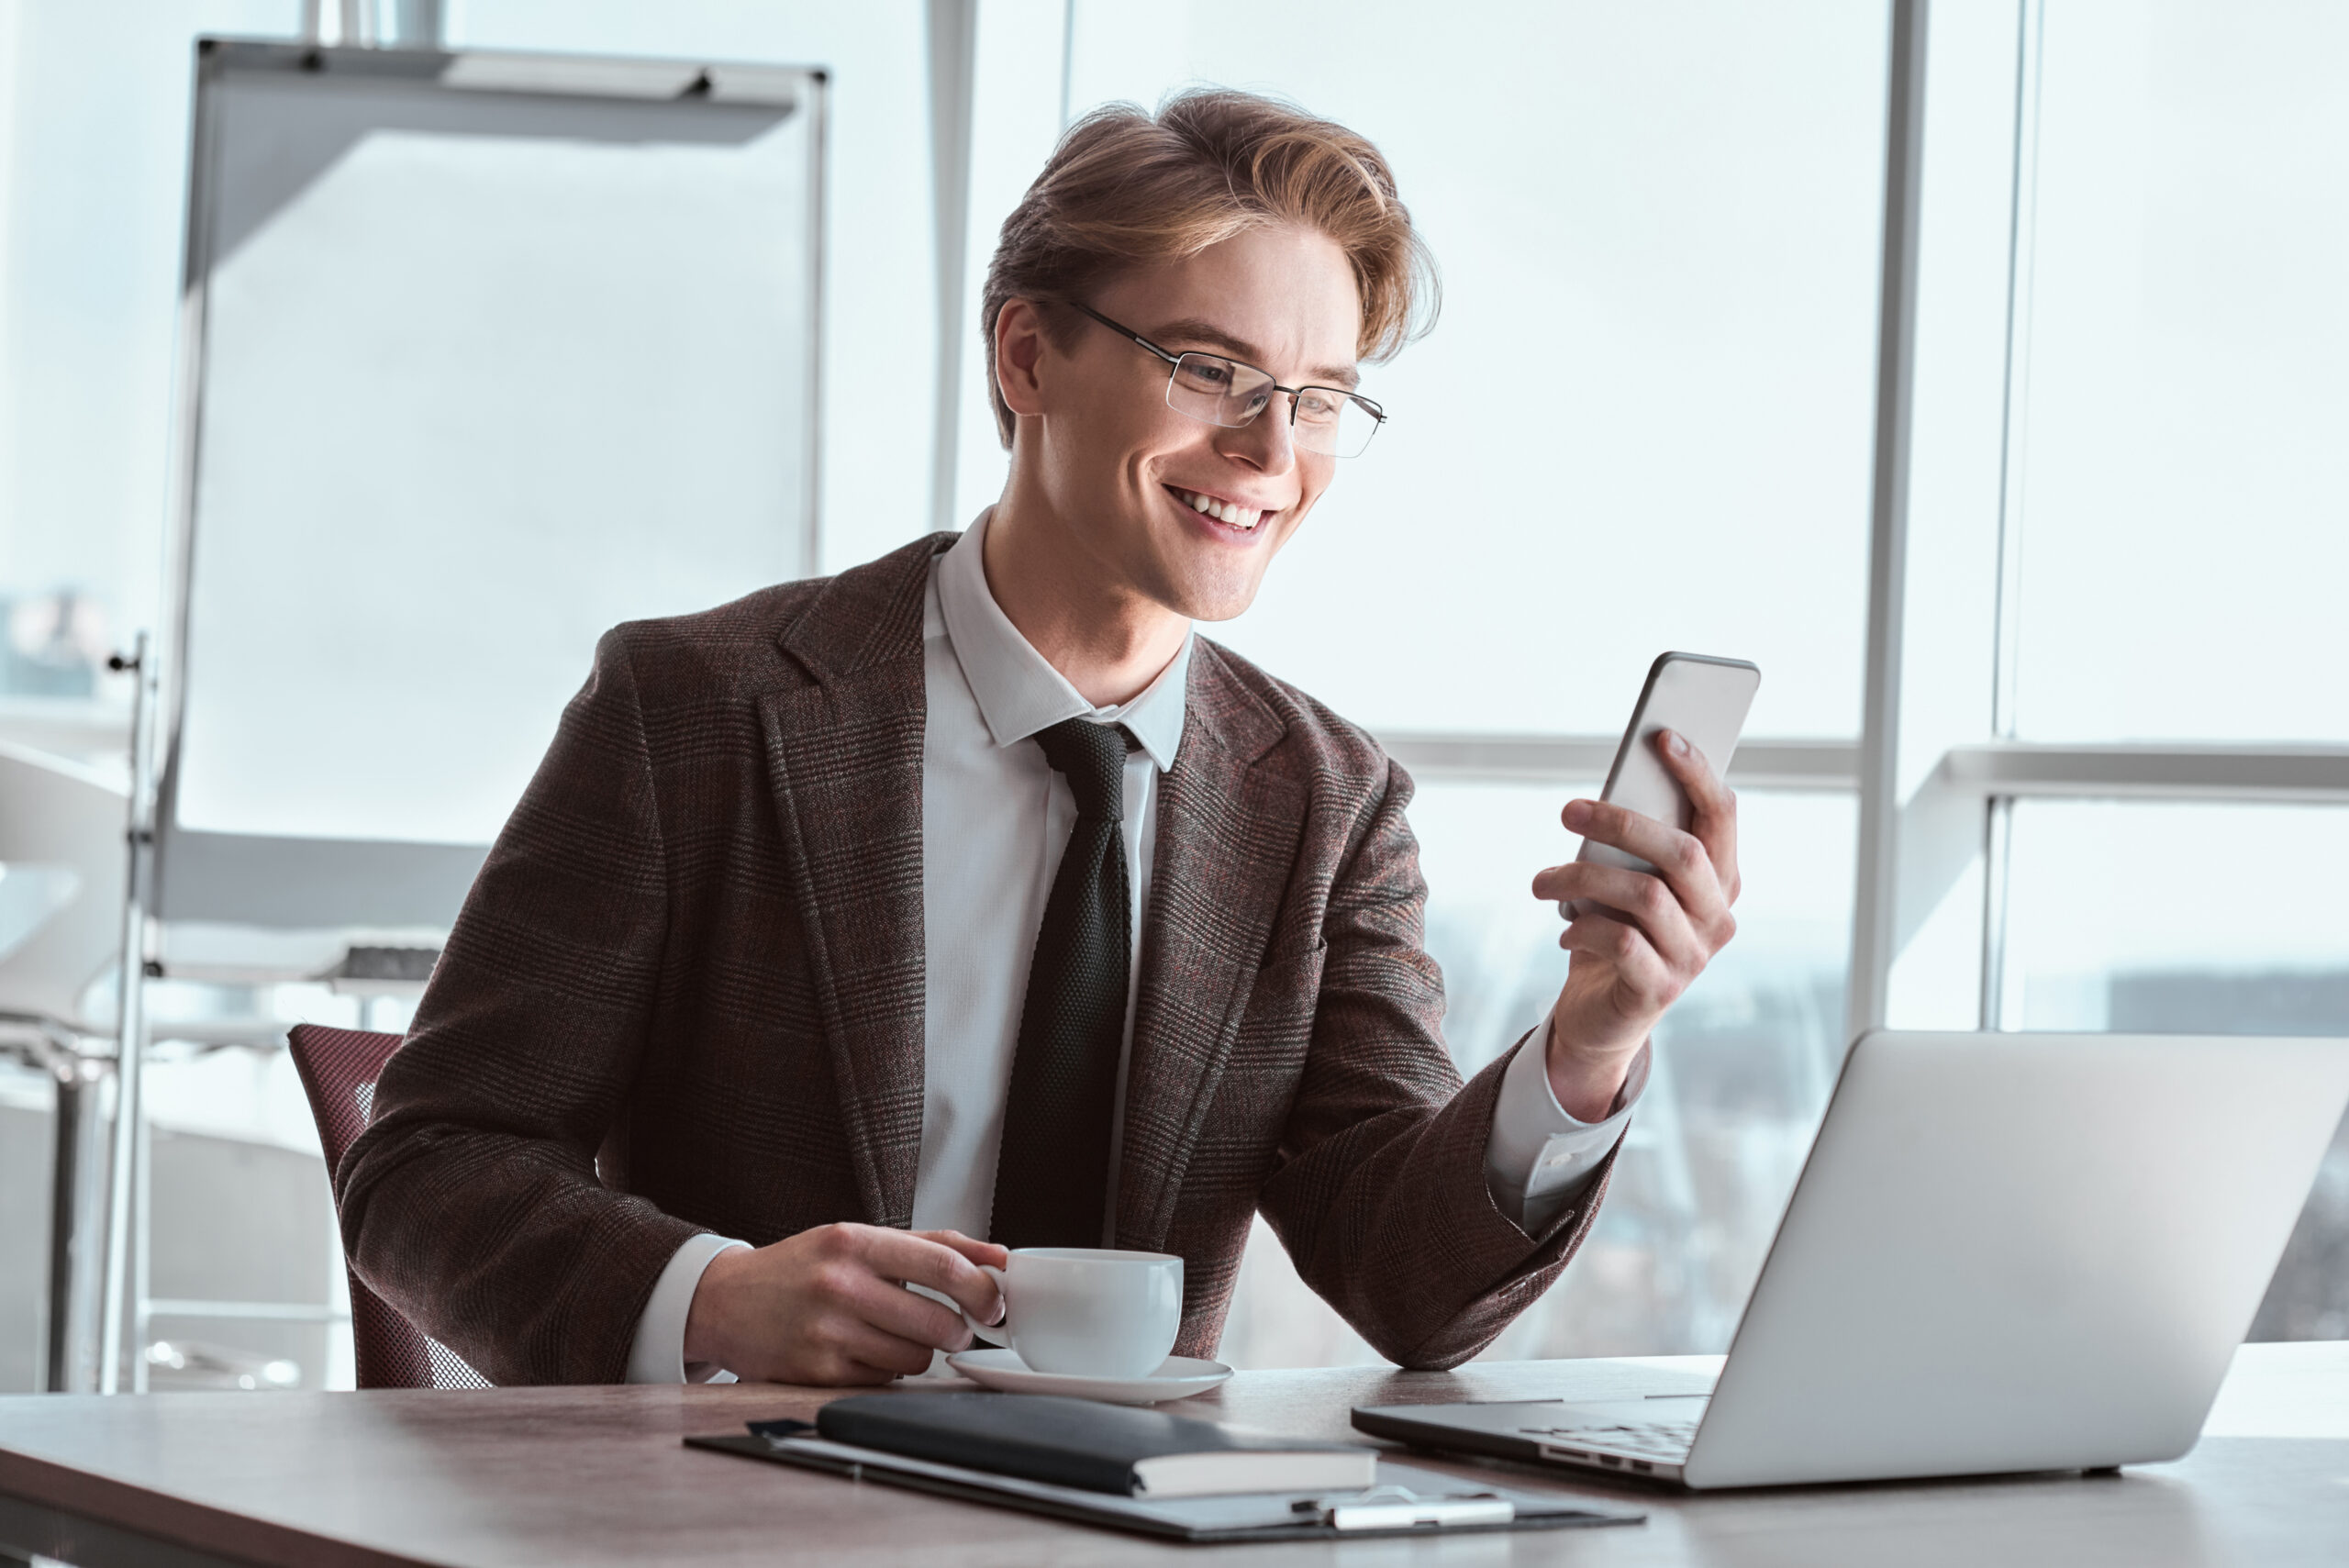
482, 354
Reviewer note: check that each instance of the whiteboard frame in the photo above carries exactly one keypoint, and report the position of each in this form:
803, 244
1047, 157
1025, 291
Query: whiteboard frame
236, 880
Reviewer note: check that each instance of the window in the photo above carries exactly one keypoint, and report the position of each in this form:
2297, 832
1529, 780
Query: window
2146, 916
1641, 423
2184, 486
94, 114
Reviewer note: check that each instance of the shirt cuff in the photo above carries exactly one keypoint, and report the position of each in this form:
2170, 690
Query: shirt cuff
1537, 1156
658, 1353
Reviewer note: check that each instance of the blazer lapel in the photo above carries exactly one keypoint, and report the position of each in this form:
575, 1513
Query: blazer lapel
1227, 834
845, 754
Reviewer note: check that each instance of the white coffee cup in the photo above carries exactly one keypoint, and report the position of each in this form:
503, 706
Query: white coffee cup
1087, 1311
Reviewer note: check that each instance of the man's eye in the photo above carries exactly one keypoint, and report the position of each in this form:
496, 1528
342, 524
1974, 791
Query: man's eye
1209, 374
1317, 408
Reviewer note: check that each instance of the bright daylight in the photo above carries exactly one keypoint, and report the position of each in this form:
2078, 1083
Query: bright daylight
1020, 781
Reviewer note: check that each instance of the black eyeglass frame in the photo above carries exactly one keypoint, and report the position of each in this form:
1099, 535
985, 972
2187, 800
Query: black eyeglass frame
1174, 360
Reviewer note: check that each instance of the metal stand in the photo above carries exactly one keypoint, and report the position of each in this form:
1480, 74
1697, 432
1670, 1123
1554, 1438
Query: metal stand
70, 1364
129, 1173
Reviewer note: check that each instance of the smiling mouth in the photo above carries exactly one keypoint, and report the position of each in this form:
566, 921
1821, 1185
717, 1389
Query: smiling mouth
1230, 513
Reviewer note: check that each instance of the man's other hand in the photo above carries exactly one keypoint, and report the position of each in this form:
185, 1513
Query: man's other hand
830, 1305
1646, 935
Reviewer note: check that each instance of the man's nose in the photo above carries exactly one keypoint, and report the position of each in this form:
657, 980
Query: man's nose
1265, 443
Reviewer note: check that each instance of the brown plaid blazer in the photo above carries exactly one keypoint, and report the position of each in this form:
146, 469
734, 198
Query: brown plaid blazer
686, 994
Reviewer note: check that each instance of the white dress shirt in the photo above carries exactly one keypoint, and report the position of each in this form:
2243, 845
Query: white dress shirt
995, 818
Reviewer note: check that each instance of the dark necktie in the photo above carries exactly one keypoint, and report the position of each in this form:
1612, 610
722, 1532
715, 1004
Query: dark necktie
1052, 1179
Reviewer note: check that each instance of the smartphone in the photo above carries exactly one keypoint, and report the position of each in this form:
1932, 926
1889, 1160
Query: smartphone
1702, 698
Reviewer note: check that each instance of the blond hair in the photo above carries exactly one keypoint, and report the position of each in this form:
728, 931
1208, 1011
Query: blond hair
1126, 187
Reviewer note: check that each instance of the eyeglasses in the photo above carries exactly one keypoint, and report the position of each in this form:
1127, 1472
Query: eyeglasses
1219, 390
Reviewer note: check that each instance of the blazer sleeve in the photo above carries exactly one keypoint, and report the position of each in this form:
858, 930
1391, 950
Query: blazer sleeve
1380, 1195
471, 1202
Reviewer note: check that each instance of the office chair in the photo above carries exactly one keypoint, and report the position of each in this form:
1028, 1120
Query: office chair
338, 1068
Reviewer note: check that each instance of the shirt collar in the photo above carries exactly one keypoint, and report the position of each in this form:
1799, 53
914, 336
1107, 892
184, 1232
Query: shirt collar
1018, 690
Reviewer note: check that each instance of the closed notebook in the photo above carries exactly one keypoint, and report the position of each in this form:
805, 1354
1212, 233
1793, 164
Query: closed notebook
1099, 1448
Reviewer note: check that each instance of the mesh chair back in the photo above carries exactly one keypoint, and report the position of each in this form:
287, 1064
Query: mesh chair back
339, 1069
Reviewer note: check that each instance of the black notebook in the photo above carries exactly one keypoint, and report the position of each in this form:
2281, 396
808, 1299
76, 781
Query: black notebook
1091, 1446
1406, 1499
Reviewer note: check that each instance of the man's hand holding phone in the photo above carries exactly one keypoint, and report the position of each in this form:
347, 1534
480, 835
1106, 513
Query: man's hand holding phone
1643, 937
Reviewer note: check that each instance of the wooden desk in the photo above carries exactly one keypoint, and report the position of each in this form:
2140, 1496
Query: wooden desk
596, 1475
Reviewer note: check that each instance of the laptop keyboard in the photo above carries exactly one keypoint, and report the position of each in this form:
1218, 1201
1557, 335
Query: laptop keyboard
1666, 1440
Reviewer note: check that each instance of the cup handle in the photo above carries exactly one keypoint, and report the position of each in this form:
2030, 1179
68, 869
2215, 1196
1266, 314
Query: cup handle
998, 1333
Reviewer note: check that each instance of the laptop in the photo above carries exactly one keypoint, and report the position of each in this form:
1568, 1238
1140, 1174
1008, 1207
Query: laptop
2006, 1253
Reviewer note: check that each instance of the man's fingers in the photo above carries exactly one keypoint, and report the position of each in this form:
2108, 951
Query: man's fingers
1635, 896
895, 1309
1712, 805
902, 1314
1680, 857
1683, 761
988, 1308
918, 1260
1644, 980
863, 1345
1655, 842
976, 1250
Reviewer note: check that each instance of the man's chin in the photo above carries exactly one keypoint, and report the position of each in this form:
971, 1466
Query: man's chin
1209, 590
1212, 602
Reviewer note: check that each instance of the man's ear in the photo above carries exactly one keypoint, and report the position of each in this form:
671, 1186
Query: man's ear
1019, 349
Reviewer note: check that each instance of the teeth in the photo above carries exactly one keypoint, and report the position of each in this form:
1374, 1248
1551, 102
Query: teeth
1227, 512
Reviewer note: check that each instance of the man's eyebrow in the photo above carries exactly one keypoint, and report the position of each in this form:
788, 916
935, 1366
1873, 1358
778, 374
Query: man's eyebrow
1191, 329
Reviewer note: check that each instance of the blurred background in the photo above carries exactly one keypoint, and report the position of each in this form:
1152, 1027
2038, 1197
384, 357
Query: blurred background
269, 415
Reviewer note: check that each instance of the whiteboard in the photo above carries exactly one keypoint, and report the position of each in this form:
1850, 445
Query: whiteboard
489, 354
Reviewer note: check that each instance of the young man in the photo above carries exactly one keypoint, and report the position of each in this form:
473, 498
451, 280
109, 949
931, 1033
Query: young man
970, 894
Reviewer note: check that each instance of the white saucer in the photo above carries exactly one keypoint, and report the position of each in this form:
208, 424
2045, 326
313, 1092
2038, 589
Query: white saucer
1178, 1378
